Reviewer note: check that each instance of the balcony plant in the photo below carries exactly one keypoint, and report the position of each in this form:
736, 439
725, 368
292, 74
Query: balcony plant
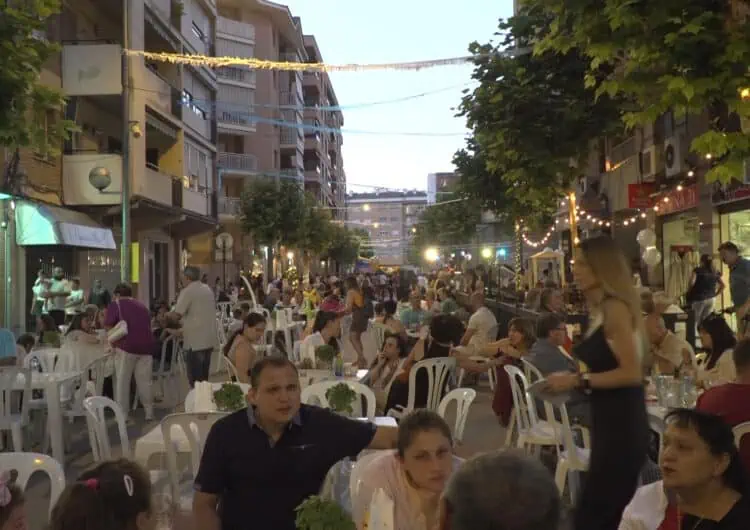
341, 399
230, 398
317, 513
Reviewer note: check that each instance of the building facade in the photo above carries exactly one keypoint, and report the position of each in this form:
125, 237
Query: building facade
169, 162
389, 218
439, 185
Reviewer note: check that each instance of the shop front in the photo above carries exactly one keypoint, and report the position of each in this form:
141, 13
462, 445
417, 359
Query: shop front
733, 204
679, 228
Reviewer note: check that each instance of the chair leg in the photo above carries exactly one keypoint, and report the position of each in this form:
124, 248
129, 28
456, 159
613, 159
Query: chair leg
511, 427
561, 475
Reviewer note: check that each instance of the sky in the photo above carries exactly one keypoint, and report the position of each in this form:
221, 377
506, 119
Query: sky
387, 31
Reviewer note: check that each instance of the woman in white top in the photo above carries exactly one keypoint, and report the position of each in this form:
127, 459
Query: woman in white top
240, 348
326, 327
413, 476
82, 341
719, 340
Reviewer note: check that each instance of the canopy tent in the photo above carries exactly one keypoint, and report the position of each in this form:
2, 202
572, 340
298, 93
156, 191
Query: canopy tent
555, 257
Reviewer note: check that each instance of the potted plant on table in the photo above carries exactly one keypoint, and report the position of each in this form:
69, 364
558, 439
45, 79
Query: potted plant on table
317, 513
341, 399
324, 356
230, 398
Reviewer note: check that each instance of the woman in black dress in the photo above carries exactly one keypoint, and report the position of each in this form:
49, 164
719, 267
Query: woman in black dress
612, 351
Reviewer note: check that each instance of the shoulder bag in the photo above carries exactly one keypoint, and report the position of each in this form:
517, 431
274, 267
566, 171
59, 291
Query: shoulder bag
120, 330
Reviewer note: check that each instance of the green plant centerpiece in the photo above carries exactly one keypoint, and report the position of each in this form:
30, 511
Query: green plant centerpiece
341, 399
230, 398
317, 513
325, 355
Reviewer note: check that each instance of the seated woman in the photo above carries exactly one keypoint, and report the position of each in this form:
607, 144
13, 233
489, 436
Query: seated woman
240, 347
445, 331
704, 484
413, 476
385, 367
326, 330
389, 320
49, 334
520, 339
719, 340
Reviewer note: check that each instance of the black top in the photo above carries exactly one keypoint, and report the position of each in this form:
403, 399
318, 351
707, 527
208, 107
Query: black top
705, 284
738, 518
260, 484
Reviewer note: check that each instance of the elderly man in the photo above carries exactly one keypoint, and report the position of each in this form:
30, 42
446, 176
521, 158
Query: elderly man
500, 491
197, 308
671, 354
481, 324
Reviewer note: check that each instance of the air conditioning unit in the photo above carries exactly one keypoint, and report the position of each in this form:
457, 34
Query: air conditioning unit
673, 159
652, 162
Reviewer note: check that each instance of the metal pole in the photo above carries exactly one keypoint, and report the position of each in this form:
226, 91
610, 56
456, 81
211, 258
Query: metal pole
125, 250
8, 214
224, 262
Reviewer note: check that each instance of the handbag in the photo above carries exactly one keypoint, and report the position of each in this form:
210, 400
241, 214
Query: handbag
120, 330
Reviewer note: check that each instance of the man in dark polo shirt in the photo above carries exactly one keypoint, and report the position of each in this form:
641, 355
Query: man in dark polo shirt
260, 463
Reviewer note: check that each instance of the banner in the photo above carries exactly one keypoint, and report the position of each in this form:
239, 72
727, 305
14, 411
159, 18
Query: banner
639, 195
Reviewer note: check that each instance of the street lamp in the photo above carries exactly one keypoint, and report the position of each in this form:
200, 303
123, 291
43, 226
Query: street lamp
431, 254
290, 255
365, 207
486, 253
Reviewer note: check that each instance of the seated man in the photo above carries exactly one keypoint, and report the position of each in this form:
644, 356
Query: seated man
413, 317
548, 357
671, 353
499, 491
481, 325
730, 401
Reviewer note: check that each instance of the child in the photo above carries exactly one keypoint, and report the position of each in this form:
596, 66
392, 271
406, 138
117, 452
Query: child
114, 495
12, 512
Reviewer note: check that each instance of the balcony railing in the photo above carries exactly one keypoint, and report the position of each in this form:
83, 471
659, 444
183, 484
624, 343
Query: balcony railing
289, 57
293, 172
622, 151
230, 206
235, 118
235, 28
238, 162
238, 75
289, 136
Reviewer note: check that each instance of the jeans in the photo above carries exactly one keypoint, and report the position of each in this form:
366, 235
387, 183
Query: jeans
702, 309
198, 365
128, 365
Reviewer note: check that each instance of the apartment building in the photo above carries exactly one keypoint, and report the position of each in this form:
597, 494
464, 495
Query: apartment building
441, 184
261, 118
170, 161
389, 218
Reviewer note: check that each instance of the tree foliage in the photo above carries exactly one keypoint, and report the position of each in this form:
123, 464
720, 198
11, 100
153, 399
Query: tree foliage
686, 56
26, 103
272, 212
532, 119
345, 245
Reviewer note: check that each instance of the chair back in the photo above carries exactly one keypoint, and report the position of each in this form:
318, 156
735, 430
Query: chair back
190, 398
564, 432
27, 464
170, 341
43, 359
317, 391
95, 408
463, 398
10, 406
533, 374
740, 431
92, 383
378, 331
359, 487
231, 368
193, 426
522, 404
438, 371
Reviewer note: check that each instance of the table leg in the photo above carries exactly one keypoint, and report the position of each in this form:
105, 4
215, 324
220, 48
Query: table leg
54, 421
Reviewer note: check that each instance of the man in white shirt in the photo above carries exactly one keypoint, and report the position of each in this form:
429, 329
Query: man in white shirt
74, 303
197, 308
481, 323
57, 296
40, 290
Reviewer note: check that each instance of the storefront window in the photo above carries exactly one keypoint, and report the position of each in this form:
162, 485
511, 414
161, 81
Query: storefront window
679, 254
735, 227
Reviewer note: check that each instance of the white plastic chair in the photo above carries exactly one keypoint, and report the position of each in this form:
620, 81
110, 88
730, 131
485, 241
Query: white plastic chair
190, 398
360, 493
27, 464
438, 372
531, 431
378, 331
572, 457
481, 360
231, 368
317, 391
95, 408
163, 372
740, 430
44, 358
195, 427
463, 398
14, 415
92, 384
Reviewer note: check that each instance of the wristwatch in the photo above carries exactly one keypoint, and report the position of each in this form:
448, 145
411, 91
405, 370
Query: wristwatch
586, 383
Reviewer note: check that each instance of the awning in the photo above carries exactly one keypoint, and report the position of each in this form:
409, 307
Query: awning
41, 224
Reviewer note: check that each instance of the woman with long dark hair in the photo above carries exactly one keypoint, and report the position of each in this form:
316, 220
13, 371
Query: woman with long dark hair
240, 348
705, 285
719, 341
326, 330
612, 351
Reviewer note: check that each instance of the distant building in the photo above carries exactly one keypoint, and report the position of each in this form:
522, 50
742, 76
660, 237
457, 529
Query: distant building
438, 183
389, 218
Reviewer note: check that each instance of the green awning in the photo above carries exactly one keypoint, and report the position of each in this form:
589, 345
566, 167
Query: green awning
42, 224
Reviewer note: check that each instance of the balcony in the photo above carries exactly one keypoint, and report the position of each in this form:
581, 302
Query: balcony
238, 163
155, 184
196, 200
291, 173
289, 57
230, 206
313, 141
289, 137
232, 29
159, 94
240, 75
235, 121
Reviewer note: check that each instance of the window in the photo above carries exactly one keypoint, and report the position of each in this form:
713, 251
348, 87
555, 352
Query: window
189, 102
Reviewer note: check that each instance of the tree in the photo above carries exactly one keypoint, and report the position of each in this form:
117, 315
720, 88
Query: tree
450, 222
685, 56
26, 103
344, 247
365, 247
532, 119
